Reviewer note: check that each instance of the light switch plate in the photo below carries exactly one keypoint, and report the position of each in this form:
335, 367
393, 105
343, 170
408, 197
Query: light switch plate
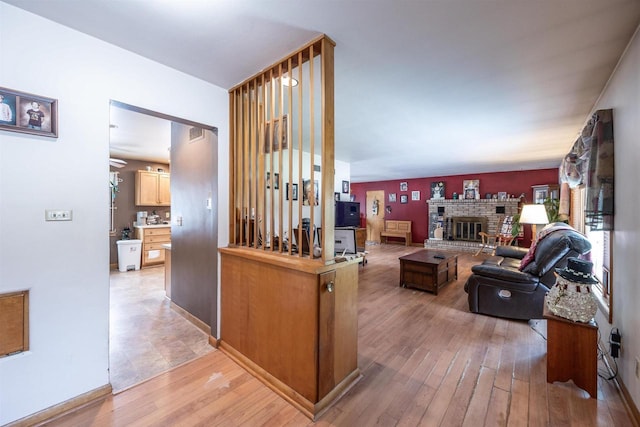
58, 215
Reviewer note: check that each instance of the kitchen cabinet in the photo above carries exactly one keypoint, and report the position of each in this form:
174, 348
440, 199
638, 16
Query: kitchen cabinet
153, 238
153, 188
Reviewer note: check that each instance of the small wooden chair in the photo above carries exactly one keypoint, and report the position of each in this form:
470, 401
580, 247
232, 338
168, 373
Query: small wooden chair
502, 237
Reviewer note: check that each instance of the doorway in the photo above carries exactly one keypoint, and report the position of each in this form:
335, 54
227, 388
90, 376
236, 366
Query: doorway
375, 215
149, 333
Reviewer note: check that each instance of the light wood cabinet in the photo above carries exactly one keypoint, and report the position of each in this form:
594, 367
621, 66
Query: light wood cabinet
153, 188
292, 323
153, 253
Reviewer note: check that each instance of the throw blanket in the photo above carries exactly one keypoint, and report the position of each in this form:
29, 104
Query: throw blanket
543, 233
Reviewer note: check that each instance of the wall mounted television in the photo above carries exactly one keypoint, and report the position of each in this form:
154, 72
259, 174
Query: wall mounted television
347, 214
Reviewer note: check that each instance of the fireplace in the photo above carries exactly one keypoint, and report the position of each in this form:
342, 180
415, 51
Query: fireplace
467, 228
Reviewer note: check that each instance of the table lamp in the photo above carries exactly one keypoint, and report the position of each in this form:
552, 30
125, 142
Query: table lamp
534, 215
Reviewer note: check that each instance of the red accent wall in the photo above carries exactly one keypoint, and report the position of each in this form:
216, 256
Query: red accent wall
515, 183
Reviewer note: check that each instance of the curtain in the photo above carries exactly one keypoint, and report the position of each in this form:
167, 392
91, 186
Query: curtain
590, 163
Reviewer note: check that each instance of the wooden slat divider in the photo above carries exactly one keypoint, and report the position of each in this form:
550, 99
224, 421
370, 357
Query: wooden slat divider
259, 214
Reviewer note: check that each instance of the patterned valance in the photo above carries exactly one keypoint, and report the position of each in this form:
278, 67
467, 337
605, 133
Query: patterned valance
591, 163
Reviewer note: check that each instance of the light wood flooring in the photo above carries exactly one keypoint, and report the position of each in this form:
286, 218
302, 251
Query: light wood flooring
425, 360
147, 337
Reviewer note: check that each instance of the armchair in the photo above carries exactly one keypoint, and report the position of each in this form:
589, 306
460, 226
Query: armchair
498, 287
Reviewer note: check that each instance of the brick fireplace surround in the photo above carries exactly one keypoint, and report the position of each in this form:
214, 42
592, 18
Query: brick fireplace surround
487, 208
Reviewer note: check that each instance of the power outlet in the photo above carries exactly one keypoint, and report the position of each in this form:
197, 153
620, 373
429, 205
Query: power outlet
637, 367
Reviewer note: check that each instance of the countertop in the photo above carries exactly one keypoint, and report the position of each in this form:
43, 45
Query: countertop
153, 226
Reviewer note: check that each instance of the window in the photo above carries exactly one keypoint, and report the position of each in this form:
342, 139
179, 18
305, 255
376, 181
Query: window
601, 258
600, 254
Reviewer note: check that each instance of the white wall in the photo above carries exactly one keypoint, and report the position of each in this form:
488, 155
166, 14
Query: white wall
65, 265
623, 95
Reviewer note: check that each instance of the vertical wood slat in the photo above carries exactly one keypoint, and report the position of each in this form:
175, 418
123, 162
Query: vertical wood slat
258, 102
300, 177
328, 150
233, 216
312, 199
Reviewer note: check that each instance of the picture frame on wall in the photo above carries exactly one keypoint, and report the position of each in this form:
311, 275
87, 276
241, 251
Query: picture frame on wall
271, 139
437, 190
471, 188
276, 180
345, 187
415, 195
392, 197
292, 191
310, 195
27, 113
404, 198
336, 196
404, 186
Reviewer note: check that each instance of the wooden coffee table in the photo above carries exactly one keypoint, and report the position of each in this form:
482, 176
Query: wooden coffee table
428, 270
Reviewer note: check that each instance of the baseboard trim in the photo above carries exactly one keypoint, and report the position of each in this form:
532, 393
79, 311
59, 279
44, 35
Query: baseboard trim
63, 408
191, 318
630, 406
308, 408
627, 400
213, 341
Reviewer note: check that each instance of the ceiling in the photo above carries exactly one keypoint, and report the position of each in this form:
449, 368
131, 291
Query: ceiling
423, 88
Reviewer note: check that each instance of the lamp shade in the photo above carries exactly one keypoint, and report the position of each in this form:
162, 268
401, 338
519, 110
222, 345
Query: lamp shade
534, 214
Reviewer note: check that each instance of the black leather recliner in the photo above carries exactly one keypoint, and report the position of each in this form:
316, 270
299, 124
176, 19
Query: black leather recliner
498, 288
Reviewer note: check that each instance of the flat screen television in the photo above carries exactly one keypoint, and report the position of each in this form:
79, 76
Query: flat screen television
347, 214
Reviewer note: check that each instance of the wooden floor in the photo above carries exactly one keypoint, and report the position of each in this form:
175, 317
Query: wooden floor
425, 361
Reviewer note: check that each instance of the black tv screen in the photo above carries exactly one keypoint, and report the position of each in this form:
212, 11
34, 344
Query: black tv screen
347, 214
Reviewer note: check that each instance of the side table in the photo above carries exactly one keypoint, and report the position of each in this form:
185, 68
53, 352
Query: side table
572, 352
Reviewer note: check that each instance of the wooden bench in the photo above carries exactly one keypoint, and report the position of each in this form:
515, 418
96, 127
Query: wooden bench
397, 228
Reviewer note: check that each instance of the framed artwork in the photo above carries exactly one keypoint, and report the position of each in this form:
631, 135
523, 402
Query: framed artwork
345, 187
276, 181
336, 196
437, 190
415, 195
404, 198
404, 186
392, 197
271, 134
471, 188
26, 113
292, 191
502, 195
310, 195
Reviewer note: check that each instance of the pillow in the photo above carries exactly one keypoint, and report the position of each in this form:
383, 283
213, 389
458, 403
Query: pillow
529, 256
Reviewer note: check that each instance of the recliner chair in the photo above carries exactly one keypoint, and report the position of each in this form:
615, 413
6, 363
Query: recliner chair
498, 288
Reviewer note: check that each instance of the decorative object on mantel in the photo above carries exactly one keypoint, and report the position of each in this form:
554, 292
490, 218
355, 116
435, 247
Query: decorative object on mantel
590, 162
437, 190
26, 113
471, 189
571, 296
